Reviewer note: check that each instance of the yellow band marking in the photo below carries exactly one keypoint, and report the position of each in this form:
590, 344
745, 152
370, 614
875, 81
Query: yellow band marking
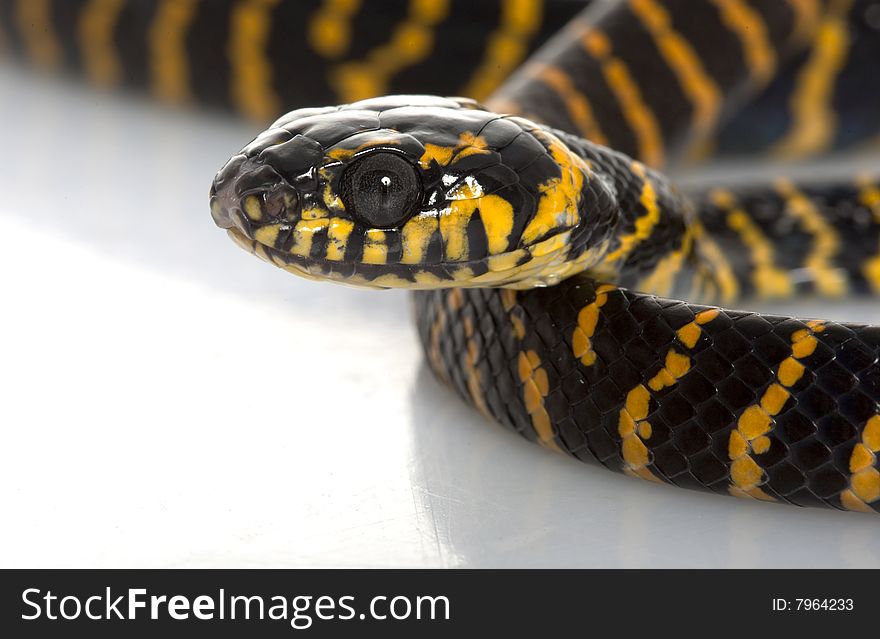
662, 279
252, 91
757, 420
807, 15
474, 379
536, 387
169, 66
330, 28
506, 261
767, 279
410, 43
813, 119
34, 19
435, 355
588, 319
415, 236
721, 271
864, 481
536, 384
303, 234
829, 281
749, 27
506, 47
576, 103
496, 214
633, 425
468, 144
453, 223
375, 248
558, 198
644, 224
267, 235
636, 112
253, 208
869, 196
95, 32
696, 83
338, 233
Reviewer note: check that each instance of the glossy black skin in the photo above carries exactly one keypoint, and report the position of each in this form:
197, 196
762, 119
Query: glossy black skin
837, 204
306, 152
300, 76
478, 339
737, 357
855, 96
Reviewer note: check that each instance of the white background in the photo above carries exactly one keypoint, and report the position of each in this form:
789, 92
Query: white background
168, 400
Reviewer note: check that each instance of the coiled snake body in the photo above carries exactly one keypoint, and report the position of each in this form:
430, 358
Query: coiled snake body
548, 261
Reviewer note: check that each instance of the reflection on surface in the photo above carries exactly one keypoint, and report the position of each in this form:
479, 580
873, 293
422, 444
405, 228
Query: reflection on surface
169, 400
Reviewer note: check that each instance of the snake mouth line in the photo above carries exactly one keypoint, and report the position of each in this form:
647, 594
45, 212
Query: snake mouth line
311, 268
474, 274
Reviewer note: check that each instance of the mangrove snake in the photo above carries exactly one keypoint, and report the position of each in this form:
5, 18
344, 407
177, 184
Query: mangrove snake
538, 246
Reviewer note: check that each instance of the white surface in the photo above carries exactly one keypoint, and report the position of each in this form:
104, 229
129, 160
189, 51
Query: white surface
168, 400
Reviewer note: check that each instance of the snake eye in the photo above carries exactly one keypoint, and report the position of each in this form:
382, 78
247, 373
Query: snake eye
381, 189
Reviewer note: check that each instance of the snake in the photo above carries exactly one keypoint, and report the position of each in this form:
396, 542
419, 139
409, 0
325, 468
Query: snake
563, 285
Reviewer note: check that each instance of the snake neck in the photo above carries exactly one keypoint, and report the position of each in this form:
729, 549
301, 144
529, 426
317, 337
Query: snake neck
656, 243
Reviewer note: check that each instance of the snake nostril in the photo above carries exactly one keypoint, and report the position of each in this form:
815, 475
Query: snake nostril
282, 203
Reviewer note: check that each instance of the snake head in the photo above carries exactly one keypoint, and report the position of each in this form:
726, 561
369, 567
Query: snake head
412, 192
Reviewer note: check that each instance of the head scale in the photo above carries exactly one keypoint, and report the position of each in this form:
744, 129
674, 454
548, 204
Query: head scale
414, 192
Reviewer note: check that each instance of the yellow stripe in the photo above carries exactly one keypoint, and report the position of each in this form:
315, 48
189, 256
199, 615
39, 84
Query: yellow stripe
722, 271
644, 224
807, 15
870, 197
474, 378
635, 111
633, 425
864, 481
338, 233
588, 320
661, 280
435, 354
506, 47
34, 20
304, 233
757, 420
813, 119
559, 198
330, 27
251, 90
375, 248
453, 229
767, 279
410, 43
536, 387
576, 103
169, 65
532, 375
696, 83
750, 28
829, 281
95, 32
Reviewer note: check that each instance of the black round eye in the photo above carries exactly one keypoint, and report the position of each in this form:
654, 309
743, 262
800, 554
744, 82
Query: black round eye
381, 189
